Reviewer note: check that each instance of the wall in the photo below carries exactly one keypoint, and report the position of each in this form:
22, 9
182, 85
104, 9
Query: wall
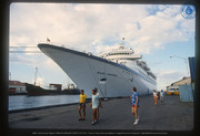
19, 88
185, 81
186, 94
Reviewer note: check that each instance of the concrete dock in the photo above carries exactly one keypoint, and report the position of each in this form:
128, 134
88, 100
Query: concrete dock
115, 115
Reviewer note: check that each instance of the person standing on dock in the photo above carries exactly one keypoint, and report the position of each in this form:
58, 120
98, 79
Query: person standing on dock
100, 105
95, 103
161, 96
155, 96
135, 104
158, 94
82, 105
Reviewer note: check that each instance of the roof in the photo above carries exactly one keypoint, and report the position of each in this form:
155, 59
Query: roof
16, 83
55, 84
184, 78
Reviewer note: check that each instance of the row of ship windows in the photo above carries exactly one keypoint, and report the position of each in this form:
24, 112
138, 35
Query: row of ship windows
120, 54
174, 88
126, 72
113, 74
102, 73
140, 72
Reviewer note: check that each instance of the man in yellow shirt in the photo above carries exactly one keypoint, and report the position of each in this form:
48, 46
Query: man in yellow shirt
82, 105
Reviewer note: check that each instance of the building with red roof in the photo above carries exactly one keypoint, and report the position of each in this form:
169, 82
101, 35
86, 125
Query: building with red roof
16, 87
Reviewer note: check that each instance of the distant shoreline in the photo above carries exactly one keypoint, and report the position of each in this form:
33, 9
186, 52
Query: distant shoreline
33, 90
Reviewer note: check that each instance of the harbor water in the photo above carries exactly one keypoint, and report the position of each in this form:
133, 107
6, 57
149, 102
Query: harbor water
19, 102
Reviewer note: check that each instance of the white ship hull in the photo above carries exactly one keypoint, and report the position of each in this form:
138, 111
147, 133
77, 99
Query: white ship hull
88, 71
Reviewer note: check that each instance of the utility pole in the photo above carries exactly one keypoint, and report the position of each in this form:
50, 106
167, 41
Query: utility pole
36, 69
186, 62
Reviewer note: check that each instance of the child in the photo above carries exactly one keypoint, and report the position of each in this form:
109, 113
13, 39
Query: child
135, 104
95, 103
155, 97
82, 105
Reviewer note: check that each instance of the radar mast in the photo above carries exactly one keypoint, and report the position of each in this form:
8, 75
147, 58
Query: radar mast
122, 44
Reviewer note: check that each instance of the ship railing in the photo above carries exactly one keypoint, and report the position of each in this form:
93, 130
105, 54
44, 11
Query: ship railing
65, 46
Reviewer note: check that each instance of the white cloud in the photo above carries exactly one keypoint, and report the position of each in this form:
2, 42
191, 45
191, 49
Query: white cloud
23, 59
167, 77
68, 26
101, 48
40, 81
85, 26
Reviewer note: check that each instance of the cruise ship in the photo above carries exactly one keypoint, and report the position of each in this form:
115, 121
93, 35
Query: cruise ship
114, 73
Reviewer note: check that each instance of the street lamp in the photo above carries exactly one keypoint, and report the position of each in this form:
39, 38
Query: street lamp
10, 75
185, 59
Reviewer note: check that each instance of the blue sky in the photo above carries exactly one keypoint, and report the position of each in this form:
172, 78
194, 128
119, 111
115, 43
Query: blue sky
155, 31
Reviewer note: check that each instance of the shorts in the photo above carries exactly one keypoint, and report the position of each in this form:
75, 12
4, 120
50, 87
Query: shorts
135, 106
81, 104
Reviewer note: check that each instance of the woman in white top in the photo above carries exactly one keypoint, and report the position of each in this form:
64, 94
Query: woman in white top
155, 97
95, 103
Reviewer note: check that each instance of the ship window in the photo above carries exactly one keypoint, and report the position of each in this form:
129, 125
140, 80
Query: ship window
103, 79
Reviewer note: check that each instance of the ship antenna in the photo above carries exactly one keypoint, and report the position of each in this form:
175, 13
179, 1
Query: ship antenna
123, 39
122, 43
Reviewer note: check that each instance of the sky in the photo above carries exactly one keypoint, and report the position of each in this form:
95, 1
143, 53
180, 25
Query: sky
154, 31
